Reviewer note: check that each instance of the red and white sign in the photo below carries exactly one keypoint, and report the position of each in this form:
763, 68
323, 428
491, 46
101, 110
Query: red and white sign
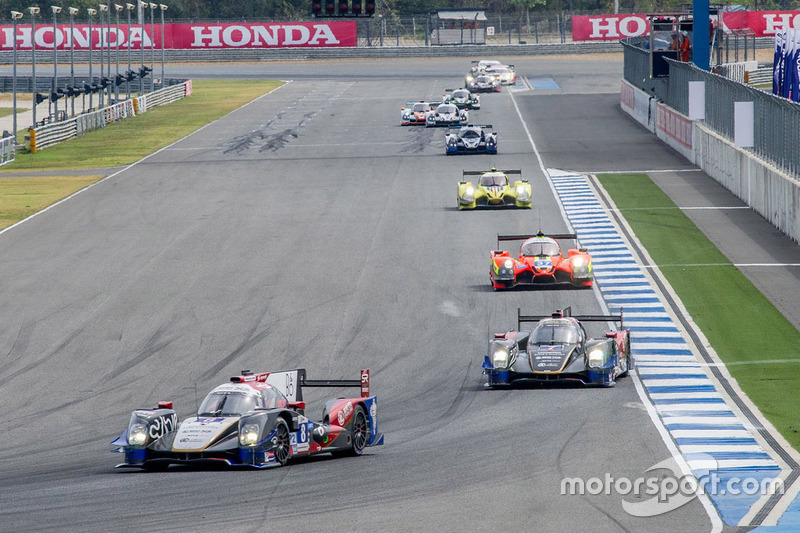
185, 36
615, 27
608, 27
674, 125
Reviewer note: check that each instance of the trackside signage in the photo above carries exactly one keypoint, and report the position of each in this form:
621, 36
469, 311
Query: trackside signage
185, 36
674, 125
615, 27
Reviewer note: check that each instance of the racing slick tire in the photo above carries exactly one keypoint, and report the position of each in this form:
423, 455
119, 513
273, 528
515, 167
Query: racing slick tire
282, 442
359, 434
628, 359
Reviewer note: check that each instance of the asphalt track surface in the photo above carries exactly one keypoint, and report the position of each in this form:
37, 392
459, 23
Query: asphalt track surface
308, 229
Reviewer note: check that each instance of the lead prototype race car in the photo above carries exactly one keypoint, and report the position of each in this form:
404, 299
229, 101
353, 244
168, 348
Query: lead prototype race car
494, 190
558, 349
255, 420
483, 83
540, 262
472, 138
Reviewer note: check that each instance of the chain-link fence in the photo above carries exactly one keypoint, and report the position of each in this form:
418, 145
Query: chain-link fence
425, 30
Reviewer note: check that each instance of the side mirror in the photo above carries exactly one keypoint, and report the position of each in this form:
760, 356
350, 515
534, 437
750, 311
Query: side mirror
297, 405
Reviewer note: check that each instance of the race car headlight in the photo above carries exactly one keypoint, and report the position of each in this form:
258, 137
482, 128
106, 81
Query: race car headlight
470, 191
137, 434
500, 357
248, 435
470, 78
578, 262
508, 263
522, 193
596, 358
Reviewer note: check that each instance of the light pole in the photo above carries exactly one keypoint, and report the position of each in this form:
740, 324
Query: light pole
130, 7
15, 16
108, 32
33, 11
142, 6
92, 13
103, 9
163, 8
72, 12
54, 96
152, 48
116, 78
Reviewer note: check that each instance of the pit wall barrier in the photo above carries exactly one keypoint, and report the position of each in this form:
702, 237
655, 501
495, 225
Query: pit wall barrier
771, 192
56, 132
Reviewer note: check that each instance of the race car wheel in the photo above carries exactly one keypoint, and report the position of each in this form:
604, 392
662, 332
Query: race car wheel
282, 442
628, 359
359, 433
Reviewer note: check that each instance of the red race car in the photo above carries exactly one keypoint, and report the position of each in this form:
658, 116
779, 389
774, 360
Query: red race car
540, 262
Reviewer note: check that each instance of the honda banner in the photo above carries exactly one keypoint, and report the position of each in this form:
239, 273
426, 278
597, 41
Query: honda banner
185, 36
615, 27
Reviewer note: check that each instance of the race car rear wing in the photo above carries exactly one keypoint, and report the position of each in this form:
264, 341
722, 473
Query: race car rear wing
567, 312
291, 382
482, 172
518, 237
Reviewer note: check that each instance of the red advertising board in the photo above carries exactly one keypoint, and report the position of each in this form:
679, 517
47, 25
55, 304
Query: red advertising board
183, 36
615, 27
675, 125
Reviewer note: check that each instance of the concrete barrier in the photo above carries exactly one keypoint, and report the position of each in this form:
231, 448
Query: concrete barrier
768, 190
771, 192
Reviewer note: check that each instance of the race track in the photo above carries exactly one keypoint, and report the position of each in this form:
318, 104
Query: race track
308, 229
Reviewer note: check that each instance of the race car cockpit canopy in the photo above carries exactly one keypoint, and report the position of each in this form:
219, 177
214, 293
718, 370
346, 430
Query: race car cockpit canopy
469, 134
420, 107
460, 93
557, 331
236, 403
447, 109
494, 179
540, 247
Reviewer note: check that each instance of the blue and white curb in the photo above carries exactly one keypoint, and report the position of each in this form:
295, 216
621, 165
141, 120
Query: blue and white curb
691, 408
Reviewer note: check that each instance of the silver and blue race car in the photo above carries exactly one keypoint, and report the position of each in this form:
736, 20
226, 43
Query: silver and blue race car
446, 115
558, 349
255, 420
472, 138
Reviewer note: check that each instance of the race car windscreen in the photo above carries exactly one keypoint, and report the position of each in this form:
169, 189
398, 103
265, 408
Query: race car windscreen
419, 108
460, 94
470, 134
550, 333
446, 109
229, 404
484, 79
494, 180
538, 248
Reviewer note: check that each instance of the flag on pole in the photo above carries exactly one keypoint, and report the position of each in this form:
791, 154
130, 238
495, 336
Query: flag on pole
796, 68
776, 64
788, 65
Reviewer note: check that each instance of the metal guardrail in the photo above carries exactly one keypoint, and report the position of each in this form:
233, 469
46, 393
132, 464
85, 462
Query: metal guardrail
388, 51
8, 148
777, 120
56, 132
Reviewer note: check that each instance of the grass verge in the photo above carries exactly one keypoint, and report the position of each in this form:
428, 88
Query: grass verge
129, 140
22, 197
740, 323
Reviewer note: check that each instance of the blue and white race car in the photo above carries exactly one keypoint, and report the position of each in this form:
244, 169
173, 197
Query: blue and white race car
472, 138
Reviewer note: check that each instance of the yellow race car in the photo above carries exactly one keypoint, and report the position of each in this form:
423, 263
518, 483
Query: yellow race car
494, 190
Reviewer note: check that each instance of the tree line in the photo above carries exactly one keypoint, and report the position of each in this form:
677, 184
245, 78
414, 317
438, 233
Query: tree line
267, 10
